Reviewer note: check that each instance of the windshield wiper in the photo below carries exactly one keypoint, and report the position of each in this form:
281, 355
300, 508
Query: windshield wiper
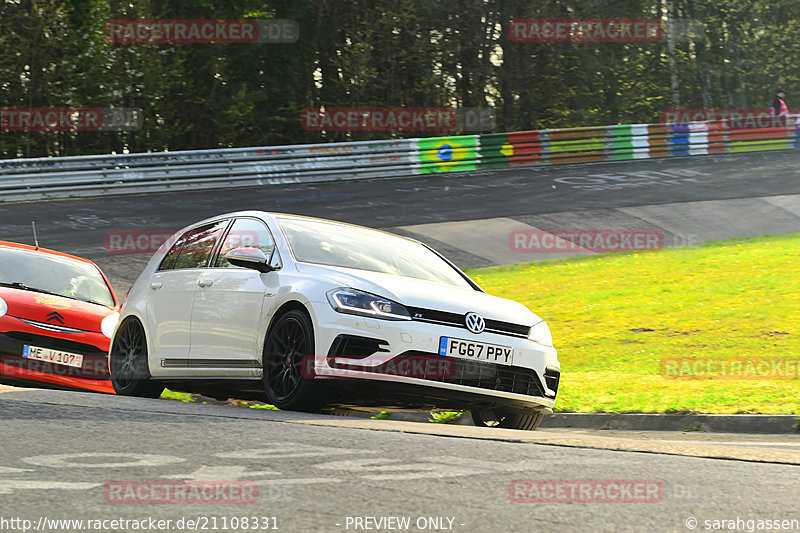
22, 286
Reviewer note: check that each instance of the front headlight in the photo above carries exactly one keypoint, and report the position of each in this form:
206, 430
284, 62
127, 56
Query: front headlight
3, 307
108, 325
362, 303
541, 333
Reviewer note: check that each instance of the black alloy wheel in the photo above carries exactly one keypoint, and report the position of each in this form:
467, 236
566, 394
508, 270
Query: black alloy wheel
289, 364
130, 375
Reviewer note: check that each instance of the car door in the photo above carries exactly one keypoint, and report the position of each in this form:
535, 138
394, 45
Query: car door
172, 290
231, 305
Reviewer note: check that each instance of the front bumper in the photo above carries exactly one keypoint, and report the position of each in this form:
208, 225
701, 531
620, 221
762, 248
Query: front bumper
399, 360
92, 375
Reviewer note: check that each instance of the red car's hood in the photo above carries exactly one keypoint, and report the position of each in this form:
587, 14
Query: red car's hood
55, 310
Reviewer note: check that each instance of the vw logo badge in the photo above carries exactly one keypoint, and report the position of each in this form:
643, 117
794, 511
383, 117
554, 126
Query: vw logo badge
474, 322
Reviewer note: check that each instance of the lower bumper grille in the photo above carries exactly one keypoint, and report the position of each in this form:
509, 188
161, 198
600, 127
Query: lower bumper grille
95, 361
476, 374
354, 347
55, 343
551, 378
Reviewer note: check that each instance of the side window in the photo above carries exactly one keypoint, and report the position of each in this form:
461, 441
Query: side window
246, 233
198, 244
169, 259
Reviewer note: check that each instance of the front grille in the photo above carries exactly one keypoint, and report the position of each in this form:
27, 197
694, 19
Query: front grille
457, 320
51, 327
477, 374
355, 347
55, 344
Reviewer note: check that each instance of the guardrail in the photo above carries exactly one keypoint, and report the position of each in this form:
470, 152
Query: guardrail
38, 178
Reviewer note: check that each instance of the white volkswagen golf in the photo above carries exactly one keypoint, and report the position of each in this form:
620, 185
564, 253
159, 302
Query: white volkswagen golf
320, 314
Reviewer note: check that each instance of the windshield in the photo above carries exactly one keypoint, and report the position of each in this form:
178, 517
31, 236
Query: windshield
54, 274
341, 245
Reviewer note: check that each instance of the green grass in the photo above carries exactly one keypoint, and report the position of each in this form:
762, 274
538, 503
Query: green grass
196, 398
617, 318
445, 417
179, 396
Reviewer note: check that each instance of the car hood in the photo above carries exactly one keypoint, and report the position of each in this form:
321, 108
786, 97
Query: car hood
413, 292
39, 307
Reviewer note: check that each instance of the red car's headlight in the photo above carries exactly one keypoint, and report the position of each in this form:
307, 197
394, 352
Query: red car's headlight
3, 307
108, 325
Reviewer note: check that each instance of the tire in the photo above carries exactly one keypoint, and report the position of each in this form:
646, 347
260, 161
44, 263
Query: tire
289, 344
130, 374
527, 420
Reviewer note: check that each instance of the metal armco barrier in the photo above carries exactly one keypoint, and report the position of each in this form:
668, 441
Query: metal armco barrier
59, 177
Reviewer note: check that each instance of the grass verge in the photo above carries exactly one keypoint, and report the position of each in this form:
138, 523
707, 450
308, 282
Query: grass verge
198, 398
631, 327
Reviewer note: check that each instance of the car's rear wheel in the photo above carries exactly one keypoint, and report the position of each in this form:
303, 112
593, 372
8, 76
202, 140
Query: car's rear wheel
508, 418
130, 375
288, 361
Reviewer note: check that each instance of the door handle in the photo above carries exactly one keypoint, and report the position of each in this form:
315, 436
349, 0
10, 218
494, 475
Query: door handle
157, 285
205, 282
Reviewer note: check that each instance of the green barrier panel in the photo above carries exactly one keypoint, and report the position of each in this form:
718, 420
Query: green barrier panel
495, 150
759, 146
627, 142
447, 154
585, 145
621, 142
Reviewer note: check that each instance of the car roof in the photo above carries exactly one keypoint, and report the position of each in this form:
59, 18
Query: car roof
276, 215
29, 248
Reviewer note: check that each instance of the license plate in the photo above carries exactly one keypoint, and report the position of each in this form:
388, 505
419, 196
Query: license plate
53, 356
477, 351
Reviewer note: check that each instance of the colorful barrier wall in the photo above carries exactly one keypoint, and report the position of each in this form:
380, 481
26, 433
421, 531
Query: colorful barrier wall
24, 179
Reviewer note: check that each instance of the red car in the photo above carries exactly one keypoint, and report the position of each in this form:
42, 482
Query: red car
57, 315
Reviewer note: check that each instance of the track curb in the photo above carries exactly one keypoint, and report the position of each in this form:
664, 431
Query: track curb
754, 424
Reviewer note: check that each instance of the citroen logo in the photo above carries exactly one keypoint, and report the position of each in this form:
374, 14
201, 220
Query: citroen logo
474, 322
55, 316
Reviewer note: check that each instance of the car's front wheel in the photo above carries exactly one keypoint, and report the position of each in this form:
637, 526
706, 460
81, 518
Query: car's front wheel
508, 418
288, 362
130, 375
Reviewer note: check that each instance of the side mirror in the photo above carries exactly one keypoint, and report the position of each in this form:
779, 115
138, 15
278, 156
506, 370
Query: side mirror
249, 258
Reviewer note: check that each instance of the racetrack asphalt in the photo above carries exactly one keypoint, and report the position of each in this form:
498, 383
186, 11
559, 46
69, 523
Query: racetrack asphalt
63, 454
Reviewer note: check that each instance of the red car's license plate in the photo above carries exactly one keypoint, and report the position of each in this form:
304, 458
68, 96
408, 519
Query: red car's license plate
53, 356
